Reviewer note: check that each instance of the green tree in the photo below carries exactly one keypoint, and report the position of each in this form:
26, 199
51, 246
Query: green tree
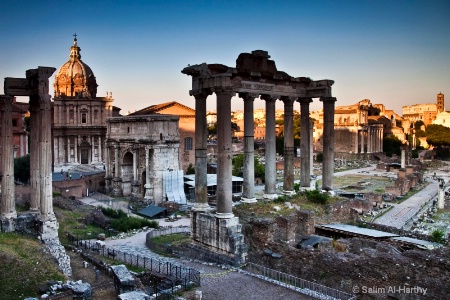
190, 170
238, 166
438, 135
391, 145
22, 169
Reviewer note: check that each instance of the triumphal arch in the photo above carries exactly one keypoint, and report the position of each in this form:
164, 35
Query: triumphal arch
255, 76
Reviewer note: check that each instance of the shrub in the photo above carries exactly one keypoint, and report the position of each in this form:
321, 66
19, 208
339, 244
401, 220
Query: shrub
316, 196
438, 236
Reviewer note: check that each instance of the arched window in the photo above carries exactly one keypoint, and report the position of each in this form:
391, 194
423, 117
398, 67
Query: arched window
188, 144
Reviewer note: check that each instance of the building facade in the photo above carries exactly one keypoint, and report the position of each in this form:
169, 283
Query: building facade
424, 112
79, 116
186, 128
143, 158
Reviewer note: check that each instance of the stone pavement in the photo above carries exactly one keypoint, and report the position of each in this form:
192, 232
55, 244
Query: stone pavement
403, 212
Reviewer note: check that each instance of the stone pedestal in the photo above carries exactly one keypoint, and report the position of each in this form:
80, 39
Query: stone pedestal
108, 182
148, 193
7, 224
440, 204
49, 229
220, 235
117, 189
135, 189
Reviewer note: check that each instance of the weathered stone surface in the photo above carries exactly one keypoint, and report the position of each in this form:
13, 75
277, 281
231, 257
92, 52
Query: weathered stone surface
134, 295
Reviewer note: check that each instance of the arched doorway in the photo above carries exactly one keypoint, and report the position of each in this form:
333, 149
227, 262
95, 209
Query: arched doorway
127, 173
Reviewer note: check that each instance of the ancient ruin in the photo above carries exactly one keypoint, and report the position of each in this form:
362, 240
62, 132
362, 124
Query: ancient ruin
255, 75
35, 85
142, 158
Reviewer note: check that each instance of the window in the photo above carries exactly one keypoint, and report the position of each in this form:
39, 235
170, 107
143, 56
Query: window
14, 122
83, 118
188, 144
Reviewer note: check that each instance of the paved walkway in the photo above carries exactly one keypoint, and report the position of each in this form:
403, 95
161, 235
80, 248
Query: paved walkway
403, 212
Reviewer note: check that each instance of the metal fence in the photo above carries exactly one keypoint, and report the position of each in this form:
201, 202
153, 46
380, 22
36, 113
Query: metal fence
297, 284
187, 276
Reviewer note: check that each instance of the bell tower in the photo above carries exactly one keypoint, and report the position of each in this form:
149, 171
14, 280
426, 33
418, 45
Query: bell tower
440, 103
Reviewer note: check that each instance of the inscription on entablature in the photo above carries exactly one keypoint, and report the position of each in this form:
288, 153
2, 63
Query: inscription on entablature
248, 85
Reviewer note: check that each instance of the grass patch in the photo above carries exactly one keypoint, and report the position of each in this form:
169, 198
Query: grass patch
24, 267
173, 239
266, 208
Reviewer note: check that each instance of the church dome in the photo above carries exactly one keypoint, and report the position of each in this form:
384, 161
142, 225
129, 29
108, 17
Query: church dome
75, 78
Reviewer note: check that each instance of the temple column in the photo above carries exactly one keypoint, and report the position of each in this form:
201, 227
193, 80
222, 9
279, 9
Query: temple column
305, 140
248, 193
68, 150
270, 191
328, 142
75, 150
148, 195
108, 176
201, 151
135, 183
117, 180
311, 147
224, 155
34, 157
288, 184
356, 140
99, 153
8, 208
92, 148
45, 153
369, 139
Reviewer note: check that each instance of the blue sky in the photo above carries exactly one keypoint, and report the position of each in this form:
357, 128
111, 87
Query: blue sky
392, 52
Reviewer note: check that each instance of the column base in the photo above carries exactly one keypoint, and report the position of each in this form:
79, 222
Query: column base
7, 224
201, 207
35, 211
224, 215
49, 229
11, 215
248, 200
270, 196
220, 235
289, 193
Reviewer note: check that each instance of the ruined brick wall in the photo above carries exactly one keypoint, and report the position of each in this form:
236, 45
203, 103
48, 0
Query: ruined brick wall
344, 211
260, 231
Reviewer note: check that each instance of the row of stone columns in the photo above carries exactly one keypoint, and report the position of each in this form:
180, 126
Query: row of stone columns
224, 153
371, 137
36, 86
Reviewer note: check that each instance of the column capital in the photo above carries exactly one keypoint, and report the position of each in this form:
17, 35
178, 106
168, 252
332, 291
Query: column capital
248, 96
328, 99
202, 94
269, 97
224, 90
304, 100
288, 100
5, 102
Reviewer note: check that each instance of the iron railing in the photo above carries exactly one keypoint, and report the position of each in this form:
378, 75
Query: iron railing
294, 283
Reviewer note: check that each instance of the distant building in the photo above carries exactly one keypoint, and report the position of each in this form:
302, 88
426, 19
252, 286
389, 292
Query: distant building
143, 158
20, 134
359, 129
186, 127
424, 112
79, 116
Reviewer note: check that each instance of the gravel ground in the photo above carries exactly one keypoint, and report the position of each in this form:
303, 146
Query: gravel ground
221, 284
